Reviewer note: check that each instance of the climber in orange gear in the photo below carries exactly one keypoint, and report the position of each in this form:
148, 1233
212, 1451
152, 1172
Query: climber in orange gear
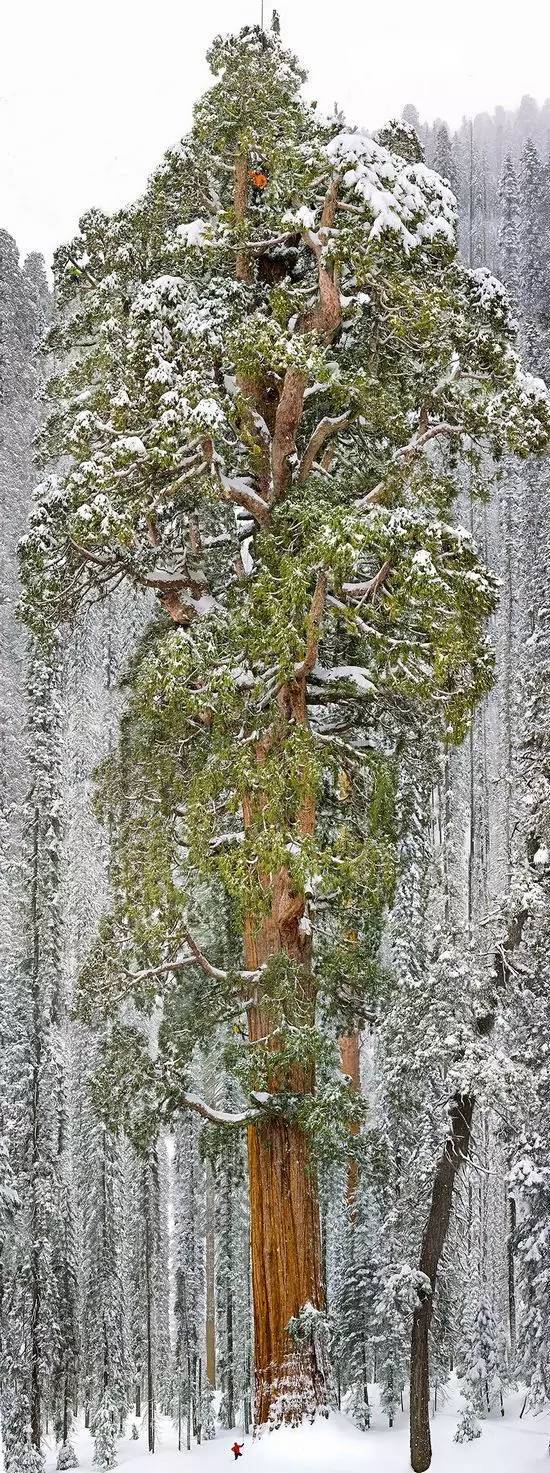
237, 1449
258, 177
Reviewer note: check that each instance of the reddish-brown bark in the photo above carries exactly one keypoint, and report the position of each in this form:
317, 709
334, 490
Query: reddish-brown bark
284, 1208
351, 1065
243, 266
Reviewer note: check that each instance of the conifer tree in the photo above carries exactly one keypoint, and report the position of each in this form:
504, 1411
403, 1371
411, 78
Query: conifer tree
106, 1366
232, 1274
27, 767
482, 1369
509, 237
444, 161
265, 448
534, 255
530, 1177
41, 1300
189, 1271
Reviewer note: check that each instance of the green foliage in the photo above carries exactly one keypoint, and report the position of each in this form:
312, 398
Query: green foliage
229, 451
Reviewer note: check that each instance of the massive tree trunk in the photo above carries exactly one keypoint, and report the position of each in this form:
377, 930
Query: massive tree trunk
284, 1204
284, 1213
433, 1241
286, 1270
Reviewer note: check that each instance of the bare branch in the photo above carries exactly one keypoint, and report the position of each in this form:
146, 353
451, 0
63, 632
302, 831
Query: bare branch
324, 431
163, 970
95, 557
196, 959
366, 592
236, 490
336, 603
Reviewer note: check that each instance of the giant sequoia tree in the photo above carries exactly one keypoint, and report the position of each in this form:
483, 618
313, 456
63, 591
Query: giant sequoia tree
274, 365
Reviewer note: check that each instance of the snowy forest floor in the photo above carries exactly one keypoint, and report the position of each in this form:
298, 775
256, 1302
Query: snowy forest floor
506, 1445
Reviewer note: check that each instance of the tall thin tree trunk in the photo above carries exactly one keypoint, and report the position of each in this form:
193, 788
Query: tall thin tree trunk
433, 1241
210, 1276
35, 1383
512, 1319
65, 1435
149, 1296
199, 1401
189, 1400
248, 1352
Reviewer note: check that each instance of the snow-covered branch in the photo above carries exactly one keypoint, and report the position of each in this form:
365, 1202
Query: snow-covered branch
408, 453
367, 591
236, 489
195, 959
219, 1117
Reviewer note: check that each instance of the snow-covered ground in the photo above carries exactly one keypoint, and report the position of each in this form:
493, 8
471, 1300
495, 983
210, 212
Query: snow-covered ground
506, 1446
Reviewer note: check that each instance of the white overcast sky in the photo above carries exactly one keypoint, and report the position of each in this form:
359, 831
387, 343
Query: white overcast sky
93, 91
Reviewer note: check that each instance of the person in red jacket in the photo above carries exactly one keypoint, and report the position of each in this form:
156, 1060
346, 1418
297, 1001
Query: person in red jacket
236, 1449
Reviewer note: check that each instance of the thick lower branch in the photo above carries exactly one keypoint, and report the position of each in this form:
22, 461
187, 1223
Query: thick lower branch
218, 1117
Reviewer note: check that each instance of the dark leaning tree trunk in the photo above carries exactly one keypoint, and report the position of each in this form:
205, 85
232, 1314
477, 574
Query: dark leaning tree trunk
454, 1154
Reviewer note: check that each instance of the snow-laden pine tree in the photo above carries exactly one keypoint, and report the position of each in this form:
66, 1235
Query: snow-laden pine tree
441, 1059
233, 1286
354, 1281
443, 158
106, 1365
279, 379
509, 234
482, 1368
530, 1173
534, 255
188, 1255
27, 1031
41, 1334
148, 1289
